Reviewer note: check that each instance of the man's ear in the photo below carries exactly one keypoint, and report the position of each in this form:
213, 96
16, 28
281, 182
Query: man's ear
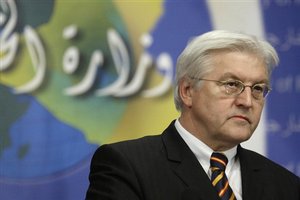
186, 92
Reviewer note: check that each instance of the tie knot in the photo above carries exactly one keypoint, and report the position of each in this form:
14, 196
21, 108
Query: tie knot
218, 161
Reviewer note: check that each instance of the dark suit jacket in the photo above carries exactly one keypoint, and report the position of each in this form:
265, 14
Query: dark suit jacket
163, 167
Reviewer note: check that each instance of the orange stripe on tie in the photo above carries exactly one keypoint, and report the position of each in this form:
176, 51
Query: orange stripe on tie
218, 160
232, 197
222, 192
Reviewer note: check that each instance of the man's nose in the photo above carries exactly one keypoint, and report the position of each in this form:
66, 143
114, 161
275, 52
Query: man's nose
245, 98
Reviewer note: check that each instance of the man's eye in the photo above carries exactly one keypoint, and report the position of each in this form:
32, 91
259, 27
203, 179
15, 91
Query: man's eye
258, 88
233, 84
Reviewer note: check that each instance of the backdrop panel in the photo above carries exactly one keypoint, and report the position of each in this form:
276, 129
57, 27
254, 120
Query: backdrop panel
77, 74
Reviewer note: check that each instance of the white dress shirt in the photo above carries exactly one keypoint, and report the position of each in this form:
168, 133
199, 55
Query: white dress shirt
203, 154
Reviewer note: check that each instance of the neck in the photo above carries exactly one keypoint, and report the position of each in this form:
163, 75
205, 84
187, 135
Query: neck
215, 144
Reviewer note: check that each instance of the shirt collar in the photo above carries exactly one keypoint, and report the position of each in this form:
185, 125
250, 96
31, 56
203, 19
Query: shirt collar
201, 150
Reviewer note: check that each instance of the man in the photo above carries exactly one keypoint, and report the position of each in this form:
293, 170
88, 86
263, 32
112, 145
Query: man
222, 80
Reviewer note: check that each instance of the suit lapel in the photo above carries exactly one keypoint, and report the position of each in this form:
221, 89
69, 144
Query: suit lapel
186, 166
252, 175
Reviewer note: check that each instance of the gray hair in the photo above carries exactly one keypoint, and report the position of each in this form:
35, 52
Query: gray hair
196, 59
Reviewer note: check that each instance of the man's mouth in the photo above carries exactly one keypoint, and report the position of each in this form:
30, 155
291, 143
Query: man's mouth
242, 117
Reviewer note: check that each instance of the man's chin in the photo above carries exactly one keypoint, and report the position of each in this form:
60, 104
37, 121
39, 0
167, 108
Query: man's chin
242, 138
236, 139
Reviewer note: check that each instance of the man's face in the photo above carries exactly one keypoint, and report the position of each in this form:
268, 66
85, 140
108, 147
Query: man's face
221, 120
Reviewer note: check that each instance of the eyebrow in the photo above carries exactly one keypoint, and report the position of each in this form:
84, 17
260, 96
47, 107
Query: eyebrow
228, 75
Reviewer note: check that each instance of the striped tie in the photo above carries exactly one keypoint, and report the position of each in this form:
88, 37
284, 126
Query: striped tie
218, 162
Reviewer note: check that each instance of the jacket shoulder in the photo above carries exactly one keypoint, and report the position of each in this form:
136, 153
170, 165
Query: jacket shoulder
258, 161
